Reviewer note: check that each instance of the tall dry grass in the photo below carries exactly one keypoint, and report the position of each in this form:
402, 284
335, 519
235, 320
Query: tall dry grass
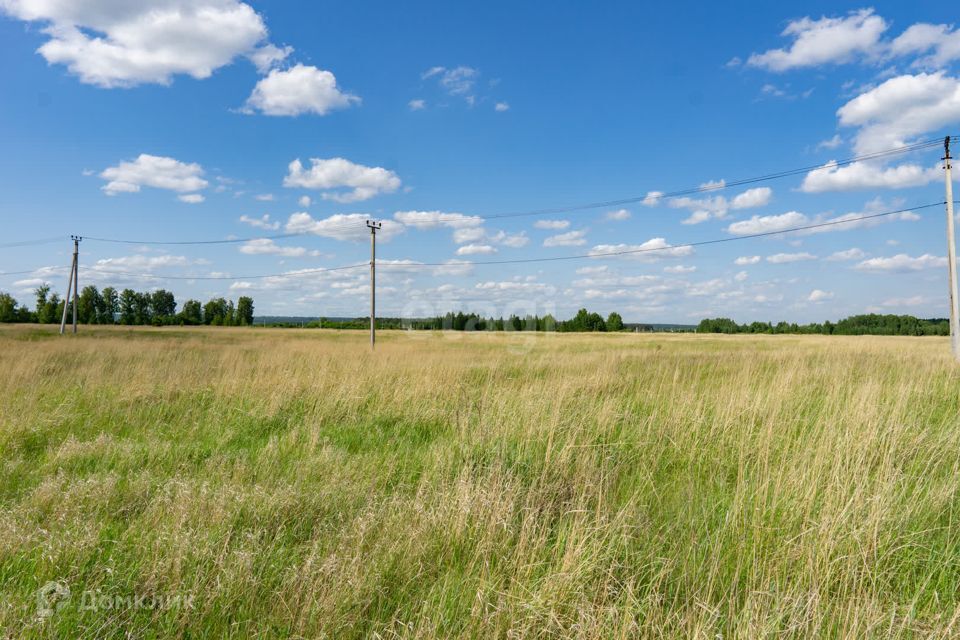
482, 486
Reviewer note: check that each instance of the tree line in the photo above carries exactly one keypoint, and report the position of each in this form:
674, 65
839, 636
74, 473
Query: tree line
867, 324
582, 321
128, 307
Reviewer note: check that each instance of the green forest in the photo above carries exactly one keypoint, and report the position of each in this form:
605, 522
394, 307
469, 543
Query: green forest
128, 307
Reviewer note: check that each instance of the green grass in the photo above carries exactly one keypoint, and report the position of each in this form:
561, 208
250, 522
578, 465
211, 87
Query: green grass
292, 484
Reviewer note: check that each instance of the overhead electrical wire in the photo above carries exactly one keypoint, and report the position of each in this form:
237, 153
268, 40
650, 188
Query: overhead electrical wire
660, 196
592, 255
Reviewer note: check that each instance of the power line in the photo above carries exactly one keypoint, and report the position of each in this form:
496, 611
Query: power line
708, 188
672, 246
594, 255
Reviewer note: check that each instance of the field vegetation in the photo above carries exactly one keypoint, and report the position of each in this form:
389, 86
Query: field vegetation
264, 483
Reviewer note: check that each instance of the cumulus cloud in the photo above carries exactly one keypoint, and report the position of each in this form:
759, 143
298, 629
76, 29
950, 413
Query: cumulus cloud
435, 219
361, 182
153, 171
745, 260
818, 295
551, 224
680, 269
902, 263
191, 198
304, 201
500, 107
825, 41
475, 249
768, 224
342, 226
619, 214
298, 90
574, 238
941, 42
891, 115
652, 198
649, 251
144, 263
266, 246
123, 44
703, 209
848, 254
786, 258
417, 104
262, 222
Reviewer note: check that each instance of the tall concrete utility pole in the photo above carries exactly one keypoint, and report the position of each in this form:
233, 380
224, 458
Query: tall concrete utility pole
72, 285
952, 255
373, 226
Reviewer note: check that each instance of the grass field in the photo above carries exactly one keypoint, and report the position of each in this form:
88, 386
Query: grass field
287, 483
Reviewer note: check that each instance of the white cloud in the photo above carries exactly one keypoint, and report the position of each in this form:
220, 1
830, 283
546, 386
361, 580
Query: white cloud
593, 270
144, 263
912, 301
469, 234
304, 201
361, 181
123, 44
434, 219
745, 260
153, 171
901, 108
741, 275
818, 295
891, 115
824, 41
923, 37
752, 198
867, 175
191, 198
767, 224
652, 198
342, 226
902, 263
649, 251
264, 197
569, 239
830, 143
619, 214
500, 107
417, 104
848, 254
703, 209
260, 223
268, 56
298, 90
786, 258
266, 246
475, 249
458, 81
512, 240
680, 269
551, 224
453, 268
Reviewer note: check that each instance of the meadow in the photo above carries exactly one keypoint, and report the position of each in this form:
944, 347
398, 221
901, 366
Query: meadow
215, 482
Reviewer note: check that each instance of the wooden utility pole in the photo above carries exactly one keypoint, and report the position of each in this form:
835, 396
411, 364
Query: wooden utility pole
373, 226
951, 255
72, 285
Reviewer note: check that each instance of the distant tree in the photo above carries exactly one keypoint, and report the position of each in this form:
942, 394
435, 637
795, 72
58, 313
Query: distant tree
192, 312
110, 305
46, 312
89, 305
245, 311
128, 307
163, 305
614, 322
8, 308
215, 311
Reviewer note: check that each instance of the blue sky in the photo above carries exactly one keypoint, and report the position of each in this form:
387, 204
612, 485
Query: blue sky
193, 120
